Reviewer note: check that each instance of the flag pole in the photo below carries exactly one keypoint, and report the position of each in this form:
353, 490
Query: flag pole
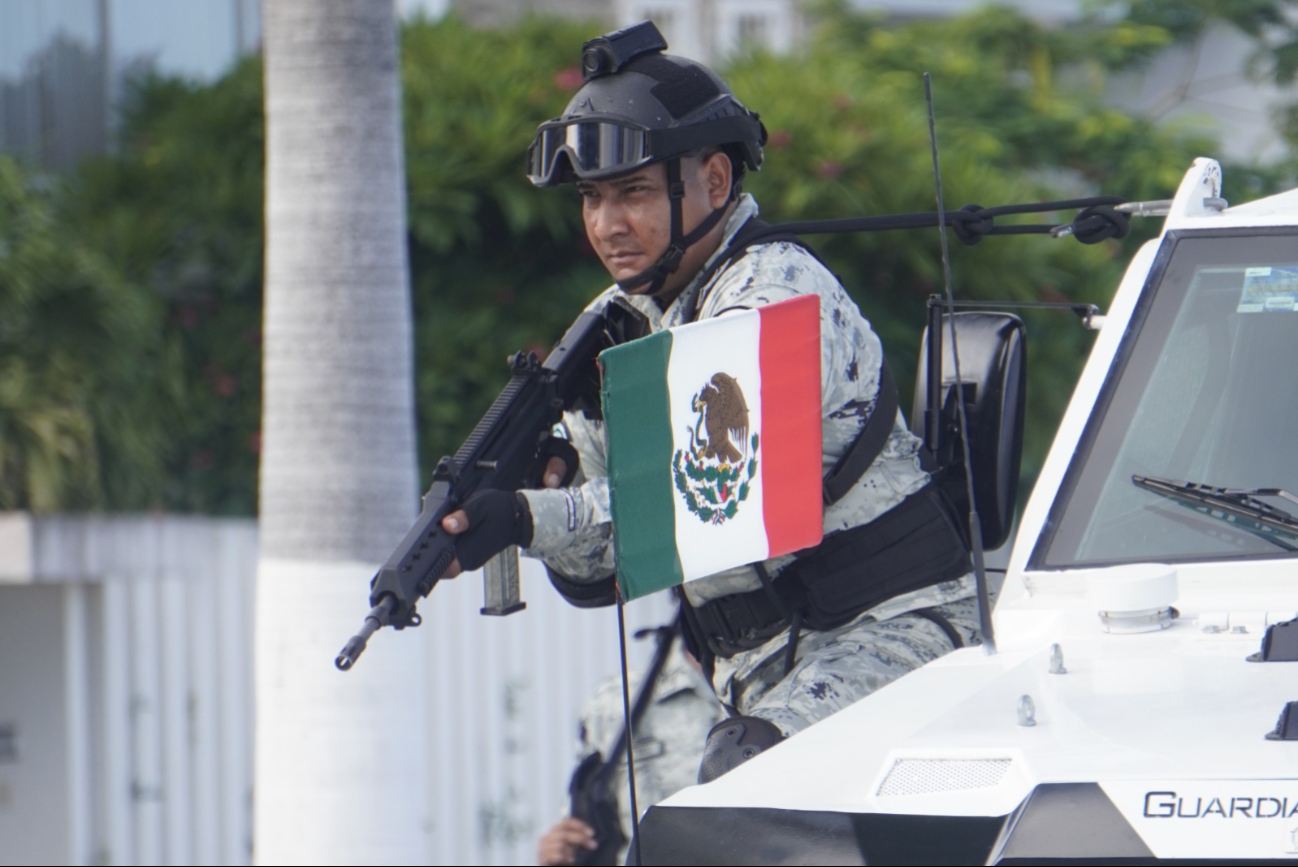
626, 714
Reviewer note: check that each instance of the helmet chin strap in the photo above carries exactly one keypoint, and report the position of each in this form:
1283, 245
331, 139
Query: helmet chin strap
657, 273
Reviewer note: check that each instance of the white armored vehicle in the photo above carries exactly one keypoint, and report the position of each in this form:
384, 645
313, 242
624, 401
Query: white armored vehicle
1136, 708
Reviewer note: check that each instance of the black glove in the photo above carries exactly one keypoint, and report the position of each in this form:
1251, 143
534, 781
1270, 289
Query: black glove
497, 519
554, 447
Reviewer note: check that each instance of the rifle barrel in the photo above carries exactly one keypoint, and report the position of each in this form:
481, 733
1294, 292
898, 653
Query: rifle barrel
374, 621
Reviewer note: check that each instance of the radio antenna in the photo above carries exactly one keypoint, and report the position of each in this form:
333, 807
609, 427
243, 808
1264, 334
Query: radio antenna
975, 525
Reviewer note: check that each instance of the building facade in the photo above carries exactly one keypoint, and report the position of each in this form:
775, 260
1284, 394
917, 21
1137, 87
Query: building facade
1203, 84
65, 67
707, 30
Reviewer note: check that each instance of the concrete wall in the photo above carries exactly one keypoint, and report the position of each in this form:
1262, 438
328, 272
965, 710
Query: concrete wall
125, 666
35, 788
126, 711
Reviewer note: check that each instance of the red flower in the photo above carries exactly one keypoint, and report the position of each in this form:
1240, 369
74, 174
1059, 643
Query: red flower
779, 139
568, 79
1052, 294
829, 169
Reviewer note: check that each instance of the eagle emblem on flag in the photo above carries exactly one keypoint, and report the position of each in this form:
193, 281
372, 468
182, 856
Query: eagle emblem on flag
714, 472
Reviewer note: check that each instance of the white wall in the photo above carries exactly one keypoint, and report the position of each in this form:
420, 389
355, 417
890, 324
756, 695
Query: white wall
143, 641
503, 700
126, 673
34, 792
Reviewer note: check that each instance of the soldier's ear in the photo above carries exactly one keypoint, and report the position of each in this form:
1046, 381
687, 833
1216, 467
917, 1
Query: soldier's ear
716, 177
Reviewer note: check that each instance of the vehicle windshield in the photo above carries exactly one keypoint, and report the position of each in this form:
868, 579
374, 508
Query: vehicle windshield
1199, 391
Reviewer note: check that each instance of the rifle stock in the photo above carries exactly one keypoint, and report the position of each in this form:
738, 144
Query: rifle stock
498, 454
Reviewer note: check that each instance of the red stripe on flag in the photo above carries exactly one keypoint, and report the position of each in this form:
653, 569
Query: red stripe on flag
791, 419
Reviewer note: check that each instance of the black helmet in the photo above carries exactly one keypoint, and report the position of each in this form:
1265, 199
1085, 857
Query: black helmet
640, 106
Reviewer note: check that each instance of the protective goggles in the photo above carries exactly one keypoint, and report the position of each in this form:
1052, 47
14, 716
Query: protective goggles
595, 149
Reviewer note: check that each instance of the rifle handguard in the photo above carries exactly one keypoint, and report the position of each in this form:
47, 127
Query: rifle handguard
496, 458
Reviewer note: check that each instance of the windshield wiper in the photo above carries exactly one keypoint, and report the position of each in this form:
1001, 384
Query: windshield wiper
1229, 504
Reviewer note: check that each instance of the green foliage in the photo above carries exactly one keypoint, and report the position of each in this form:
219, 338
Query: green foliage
497, 265
1184, 19
130, 310
177, 212
130, 299
75, 346
849, 135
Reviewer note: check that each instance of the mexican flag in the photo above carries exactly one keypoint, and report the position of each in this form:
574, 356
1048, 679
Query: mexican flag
714, 444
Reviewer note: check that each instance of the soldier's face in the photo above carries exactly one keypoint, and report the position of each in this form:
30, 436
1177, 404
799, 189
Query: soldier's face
628, 219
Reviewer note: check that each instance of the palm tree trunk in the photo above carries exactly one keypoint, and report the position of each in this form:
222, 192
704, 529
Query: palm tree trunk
339, 761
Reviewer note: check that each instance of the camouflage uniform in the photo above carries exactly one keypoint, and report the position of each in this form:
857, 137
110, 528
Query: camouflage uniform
573, 528
668, 738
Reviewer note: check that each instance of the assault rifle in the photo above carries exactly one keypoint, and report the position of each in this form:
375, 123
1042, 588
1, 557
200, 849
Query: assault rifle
499, 454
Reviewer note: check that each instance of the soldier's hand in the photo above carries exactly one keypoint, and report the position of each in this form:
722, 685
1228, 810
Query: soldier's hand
561, 842
455, 523
489, 523
555, 469
556, 464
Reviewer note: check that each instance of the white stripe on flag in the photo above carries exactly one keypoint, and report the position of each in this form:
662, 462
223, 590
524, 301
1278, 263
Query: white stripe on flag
729, 344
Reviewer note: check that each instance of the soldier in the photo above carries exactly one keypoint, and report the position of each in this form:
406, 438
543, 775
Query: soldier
658, 147
669, 739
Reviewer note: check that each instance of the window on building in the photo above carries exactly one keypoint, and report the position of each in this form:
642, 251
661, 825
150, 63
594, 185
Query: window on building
752, 30
748, 24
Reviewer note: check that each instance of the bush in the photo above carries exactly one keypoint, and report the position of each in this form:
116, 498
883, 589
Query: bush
130, 299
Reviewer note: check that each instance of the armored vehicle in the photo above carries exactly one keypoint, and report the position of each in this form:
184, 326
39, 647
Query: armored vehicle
1139, 703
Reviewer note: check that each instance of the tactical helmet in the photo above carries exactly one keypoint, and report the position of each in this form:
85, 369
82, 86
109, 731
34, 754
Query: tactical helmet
640, 106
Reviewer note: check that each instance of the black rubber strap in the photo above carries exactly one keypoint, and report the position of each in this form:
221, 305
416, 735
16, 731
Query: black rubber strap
1096, 221
933, 616
869, 442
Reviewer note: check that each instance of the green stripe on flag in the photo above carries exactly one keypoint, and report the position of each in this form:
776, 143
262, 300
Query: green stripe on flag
638, 422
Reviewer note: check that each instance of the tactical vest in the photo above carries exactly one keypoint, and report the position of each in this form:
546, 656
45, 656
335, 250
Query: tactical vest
916, 544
